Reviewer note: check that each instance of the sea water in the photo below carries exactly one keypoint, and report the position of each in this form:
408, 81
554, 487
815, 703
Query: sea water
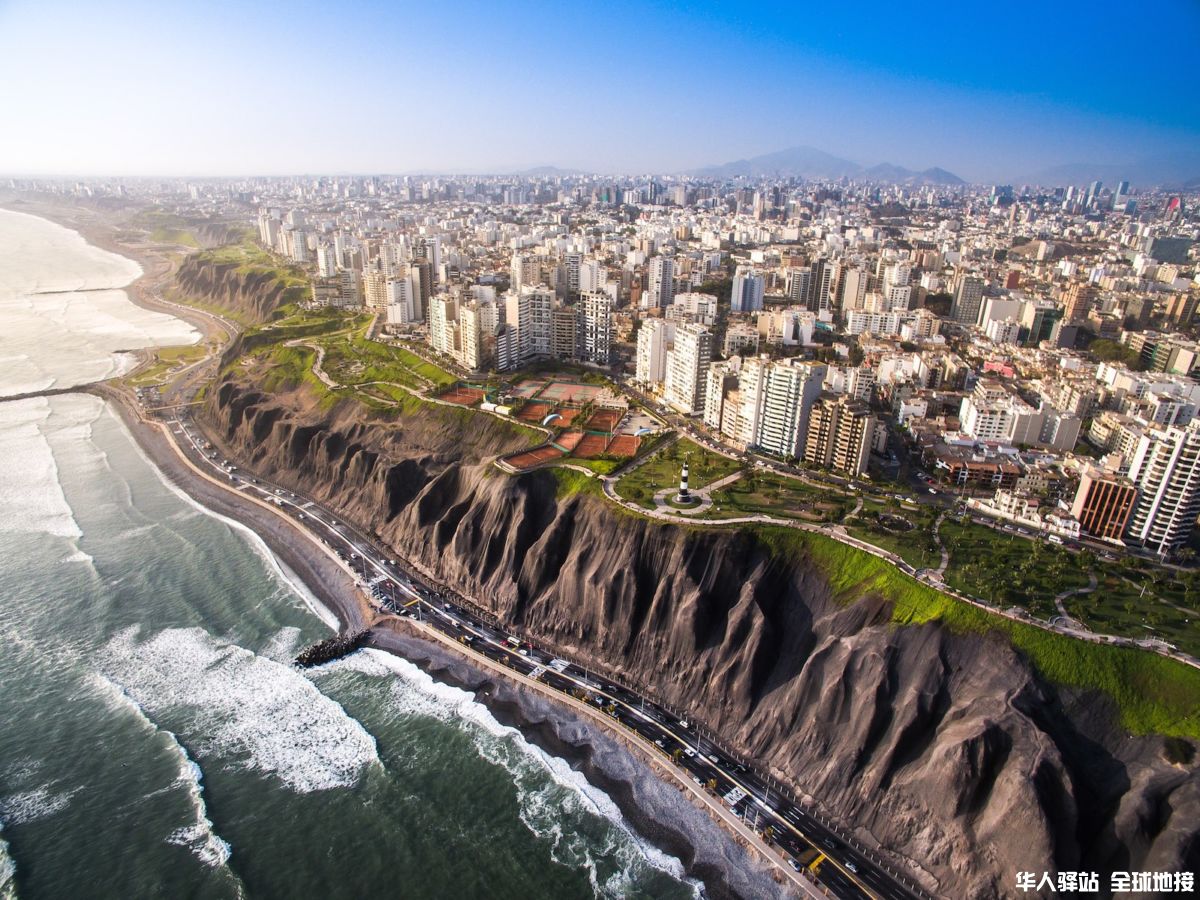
154, 738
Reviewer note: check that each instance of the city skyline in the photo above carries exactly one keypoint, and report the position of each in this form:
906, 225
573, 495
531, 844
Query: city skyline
142, 90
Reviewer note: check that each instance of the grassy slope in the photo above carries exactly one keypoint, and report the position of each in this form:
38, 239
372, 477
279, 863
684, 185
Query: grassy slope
1153, 694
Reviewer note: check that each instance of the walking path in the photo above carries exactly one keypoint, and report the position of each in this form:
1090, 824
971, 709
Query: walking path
1073, 592
702, 494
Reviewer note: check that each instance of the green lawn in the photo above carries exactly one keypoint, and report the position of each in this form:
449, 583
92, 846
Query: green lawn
663, 469
1152, 694
1006, 569
1139, 604
772, 494
165, 360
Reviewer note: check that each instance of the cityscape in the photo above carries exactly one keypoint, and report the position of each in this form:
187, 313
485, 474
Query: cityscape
650, 451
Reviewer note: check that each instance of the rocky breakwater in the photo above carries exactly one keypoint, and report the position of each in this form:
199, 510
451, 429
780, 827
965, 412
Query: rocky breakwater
943, 746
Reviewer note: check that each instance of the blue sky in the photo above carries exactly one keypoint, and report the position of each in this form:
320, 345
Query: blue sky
990, 91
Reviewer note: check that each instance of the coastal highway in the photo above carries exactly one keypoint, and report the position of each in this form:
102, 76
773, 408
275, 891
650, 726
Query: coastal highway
838, 865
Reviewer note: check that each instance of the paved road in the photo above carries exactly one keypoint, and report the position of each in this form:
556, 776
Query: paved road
841, 867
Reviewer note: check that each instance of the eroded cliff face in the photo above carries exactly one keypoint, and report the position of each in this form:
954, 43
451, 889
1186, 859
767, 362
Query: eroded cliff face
946, 749
255, 294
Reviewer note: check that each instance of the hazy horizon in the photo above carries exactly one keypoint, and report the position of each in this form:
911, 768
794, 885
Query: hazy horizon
232, 90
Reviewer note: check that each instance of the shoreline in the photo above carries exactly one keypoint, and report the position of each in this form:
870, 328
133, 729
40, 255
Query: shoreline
653, 801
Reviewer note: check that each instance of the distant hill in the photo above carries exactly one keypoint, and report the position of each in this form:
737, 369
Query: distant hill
800, 162
809, 162
900, 175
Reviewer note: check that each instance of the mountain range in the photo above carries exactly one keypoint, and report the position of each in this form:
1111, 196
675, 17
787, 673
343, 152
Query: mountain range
809, 162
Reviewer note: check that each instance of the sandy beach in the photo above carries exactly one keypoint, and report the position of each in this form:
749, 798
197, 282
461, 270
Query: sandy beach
677, 819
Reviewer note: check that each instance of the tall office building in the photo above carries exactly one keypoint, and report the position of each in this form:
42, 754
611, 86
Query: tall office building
968, 299
660, 289
597, 327
687, 368
1165, 468
747, 291
654, 340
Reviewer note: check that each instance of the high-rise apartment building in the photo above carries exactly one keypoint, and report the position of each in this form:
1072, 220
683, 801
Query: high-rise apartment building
747, 291
655, 339
1165, 468
597, 327
564, 332
968, 299
1103, 504
687, 366
789, 390
839, 434
1080, 298
529, 311
660, 287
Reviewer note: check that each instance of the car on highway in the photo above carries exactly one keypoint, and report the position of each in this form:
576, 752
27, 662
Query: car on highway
851, 867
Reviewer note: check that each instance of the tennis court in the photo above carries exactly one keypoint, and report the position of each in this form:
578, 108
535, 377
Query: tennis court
534, 412
571, 392
535, 457
463, 396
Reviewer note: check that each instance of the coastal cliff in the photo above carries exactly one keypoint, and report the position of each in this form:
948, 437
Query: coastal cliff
253, 292
945, 746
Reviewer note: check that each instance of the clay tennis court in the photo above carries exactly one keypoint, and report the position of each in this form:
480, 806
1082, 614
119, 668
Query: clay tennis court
534, 412
463, 396
569, 440
568, 414
603, 420
535, 457
624, 445
591, 446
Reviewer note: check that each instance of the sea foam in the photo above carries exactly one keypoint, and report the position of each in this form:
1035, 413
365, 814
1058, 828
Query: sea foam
247, 710
549, 791
198, 835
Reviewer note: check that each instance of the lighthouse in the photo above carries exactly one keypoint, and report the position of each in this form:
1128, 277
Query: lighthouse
684, 496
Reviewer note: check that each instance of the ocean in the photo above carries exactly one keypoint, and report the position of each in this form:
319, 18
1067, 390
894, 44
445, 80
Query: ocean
155, 740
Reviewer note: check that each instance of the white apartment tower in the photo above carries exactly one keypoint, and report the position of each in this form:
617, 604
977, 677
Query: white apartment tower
597, 327
1165, 468
747, 291
529, 311
789, 391
655, 338
660, 289
687, 366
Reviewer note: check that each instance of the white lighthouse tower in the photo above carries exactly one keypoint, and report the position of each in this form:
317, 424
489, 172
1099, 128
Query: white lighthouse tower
684, 495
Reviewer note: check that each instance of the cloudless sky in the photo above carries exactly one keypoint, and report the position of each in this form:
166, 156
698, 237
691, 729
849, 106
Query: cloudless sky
987, 90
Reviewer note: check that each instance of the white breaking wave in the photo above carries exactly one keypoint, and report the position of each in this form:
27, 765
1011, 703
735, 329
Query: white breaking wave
54, 335
39, 803
30, 492
199, 835
246, 709
547, 786
8, 869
